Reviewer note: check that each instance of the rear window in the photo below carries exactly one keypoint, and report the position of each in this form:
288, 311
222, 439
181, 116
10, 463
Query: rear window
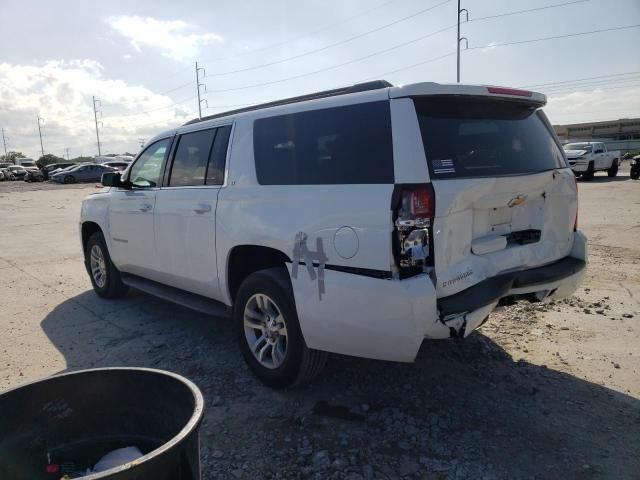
476, 137
343, 145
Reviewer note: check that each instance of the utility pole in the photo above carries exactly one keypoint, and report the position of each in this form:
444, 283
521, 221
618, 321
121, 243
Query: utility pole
97, 102
198, 85
40, 132
4, 141
66, 151
460, 10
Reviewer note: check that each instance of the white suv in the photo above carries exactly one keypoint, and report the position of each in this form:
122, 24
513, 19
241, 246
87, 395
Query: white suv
358, 221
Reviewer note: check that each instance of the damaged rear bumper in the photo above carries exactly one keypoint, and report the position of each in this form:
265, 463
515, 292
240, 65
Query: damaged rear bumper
465, 311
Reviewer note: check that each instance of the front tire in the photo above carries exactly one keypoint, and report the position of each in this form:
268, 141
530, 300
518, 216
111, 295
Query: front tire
635, 173
613, 170
105, 277
269, 333
69, 179
588, 175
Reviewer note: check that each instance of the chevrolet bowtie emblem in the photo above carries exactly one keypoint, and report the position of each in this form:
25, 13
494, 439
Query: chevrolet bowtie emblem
519, 200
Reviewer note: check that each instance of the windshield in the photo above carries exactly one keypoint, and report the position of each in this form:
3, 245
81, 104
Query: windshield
578, 146
478, 137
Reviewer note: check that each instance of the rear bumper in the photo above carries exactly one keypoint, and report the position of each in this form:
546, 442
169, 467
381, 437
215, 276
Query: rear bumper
493, 289
465, 311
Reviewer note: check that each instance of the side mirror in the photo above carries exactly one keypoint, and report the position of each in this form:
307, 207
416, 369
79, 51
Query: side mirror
112, 179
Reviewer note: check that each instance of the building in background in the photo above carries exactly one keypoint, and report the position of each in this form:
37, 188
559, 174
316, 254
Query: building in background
623, 134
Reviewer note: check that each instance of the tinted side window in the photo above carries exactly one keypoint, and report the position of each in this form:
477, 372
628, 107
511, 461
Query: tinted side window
218, 157
191, 157
342, 145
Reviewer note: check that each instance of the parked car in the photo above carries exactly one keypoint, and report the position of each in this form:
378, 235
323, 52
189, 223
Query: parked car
26, 162
16, 172
34, 174
55, 168
587, 158
2, 178
117, 165
634, 173
86, 172
359, 221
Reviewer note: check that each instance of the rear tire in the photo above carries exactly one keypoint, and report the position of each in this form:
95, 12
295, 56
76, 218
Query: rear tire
268, 331
635, 173
613, 170
105, 277
588, 175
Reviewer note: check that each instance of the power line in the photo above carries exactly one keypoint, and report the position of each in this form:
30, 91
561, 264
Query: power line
593, 83
506, 14
556, 37
389, 72
332, 67
601, 88
308, 35
154, 109
342, 42
580, 79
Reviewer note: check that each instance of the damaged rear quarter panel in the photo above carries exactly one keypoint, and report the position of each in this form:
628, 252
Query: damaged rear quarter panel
366, 317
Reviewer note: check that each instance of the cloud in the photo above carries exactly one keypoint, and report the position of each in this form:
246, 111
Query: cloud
171, 37
595, 104
60, 92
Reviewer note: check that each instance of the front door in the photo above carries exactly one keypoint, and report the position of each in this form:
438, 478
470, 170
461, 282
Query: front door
185, 212
131, 213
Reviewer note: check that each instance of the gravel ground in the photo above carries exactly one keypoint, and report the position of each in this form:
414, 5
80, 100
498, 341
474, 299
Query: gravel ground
541, 391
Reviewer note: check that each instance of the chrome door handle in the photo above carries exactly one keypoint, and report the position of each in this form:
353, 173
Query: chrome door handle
145, 207
202, 208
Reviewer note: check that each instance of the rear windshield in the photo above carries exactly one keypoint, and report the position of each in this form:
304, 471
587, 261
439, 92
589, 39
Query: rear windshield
477, 137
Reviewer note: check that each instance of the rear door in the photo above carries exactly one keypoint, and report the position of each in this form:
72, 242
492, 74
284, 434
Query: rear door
505, 199
185, 233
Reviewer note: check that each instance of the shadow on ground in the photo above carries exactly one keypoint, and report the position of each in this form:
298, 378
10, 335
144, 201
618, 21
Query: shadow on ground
462, 410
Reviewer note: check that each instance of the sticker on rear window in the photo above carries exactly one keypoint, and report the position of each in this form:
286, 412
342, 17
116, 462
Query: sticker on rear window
443, 166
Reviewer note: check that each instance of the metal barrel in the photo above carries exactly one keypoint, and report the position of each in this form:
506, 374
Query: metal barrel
65, 424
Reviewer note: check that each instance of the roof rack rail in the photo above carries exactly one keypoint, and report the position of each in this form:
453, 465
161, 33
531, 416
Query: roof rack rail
358, 87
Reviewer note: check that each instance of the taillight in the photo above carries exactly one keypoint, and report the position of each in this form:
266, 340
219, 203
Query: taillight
509, 91
414, 209
418, 201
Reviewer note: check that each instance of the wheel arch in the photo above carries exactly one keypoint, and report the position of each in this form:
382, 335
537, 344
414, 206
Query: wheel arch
243, 260
87, 229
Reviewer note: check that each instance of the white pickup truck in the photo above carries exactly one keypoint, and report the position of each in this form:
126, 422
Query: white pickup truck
587, 158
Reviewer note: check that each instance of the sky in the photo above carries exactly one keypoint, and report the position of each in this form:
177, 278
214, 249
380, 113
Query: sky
138, 58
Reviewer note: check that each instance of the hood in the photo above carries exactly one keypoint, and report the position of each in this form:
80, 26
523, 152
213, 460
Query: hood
575, 153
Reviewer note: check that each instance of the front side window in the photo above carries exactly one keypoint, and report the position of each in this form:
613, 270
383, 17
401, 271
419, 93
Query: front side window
477, 137
341, 145
146, 171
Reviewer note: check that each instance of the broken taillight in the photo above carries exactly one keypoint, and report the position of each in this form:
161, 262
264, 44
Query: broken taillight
413, 213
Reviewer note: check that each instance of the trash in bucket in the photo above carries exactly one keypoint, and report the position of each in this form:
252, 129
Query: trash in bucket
114, 423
